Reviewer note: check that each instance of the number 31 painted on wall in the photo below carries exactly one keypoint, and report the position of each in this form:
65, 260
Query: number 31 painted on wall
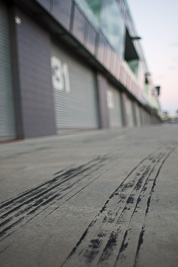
60, 75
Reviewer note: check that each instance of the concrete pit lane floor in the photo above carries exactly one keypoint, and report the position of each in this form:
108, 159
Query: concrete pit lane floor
99, 198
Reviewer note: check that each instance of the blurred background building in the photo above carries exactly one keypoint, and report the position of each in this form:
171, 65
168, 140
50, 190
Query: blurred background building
71, 64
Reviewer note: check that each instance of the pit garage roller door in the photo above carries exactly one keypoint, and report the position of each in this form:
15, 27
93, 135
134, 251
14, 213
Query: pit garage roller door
138, 118
129, 112
145, 117
7, 120
75, 93
114, 106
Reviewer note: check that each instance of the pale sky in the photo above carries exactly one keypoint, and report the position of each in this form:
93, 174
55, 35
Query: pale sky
156, 22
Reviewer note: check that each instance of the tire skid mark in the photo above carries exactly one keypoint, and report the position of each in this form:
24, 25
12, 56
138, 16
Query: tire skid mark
125, 216
41, 211
78, 187
54, 192
66, 175
108, 234
127, 256
57, 188
9, 203
145, 186
101, 219
141, 236
131, 199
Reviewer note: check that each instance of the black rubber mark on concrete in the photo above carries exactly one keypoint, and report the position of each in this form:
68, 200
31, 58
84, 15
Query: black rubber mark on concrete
123, 246
141, 236
22, 208
140, 242
123, 186
68, 174
100, 234
112, 241
119, 214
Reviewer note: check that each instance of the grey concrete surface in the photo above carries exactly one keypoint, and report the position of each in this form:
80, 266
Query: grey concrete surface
101, 198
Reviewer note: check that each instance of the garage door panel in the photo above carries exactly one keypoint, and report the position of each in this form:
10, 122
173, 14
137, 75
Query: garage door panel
129, 112
7, 113
114, 106
75, 92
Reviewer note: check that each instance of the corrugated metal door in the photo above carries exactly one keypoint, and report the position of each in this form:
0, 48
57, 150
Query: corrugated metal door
114, 106
138, 119
141, 116
145, 117
129, 112
74, 92
7, 118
